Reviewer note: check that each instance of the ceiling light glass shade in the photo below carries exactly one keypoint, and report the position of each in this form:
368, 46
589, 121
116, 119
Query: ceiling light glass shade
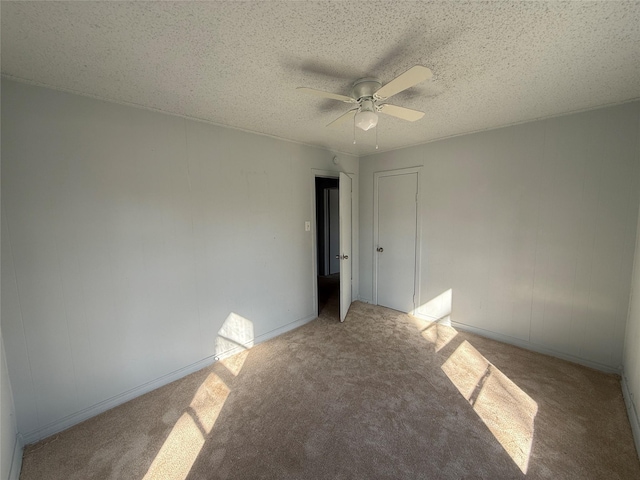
366, 120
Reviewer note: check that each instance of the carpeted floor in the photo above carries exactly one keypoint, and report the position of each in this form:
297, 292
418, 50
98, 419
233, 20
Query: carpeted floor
383, 395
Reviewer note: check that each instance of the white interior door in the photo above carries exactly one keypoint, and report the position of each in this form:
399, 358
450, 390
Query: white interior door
345, 245
396, 240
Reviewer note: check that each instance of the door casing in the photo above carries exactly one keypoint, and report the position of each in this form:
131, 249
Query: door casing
314, 247
418, 247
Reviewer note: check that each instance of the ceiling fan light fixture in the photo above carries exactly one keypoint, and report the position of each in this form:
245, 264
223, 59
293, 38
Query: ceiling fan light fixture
366, 120
367, 92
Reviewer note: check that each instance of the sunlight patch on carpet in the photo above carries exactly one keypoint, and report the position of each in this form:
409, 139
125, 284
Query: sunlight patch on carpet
235, 362
183, 445
437, 311
185, 441
439, 335
506, 410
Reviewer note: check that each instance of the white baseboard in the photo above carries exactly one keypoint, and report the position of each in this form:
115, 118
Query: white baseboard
537, 348
75, 418
634, 420
285, 328
264, 337
16, 459
429, 318
100, 407
514, 341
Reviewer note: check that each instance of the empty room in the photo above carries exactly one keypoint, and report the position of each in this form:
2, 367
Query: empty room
320, 239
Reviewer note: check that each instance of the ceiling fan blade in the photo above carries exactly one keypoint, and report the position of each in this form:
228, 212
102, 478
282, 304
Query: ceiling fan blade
320, 93
408, 79
342, 118
401, 112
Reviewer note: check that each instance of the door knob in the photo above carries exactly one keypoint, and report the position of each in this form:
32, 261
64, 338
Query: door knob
342, 257
337, 257
380, 249
346, 257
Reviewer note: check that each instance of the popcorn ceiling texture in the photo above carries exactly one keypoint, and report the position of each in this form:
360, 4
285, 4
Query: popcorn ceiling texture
238, 63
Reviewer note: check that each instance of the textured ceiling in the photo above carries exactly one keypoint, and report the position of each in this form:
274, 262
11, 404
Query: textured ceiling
239, 63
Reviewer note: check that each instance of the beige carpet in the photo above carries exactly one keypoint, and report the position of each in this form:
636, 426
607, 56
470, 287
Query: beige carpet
383, 395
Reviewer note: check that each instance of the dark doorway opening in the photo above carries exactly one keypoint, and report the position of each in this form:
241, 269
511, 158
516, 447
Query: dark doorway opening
327, 241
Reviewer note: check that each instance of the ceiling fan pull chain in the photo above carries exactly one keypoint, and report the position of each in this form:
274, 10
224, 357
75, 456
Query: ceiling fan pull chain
377, 137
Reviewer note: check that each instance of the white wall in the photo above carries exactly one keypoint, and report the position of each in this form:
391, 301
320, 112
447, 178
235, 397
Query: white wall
631, 361
532, 227
10, 446
10, 442
129, 238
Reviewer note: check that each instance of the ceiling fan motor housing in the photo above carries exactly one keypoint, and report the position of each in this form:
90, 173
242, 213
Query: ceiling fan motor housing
365, 88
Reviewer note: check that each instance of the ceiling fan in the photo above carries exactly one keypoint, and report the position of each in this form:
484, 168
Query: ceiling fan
368, 93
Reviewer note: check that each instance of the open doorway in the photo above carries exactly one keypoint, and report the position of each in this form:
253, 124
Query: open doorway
328, 246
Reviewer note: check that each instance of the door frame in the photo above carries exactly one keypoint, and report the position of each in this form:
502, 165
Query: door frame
417, 276
314, 234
